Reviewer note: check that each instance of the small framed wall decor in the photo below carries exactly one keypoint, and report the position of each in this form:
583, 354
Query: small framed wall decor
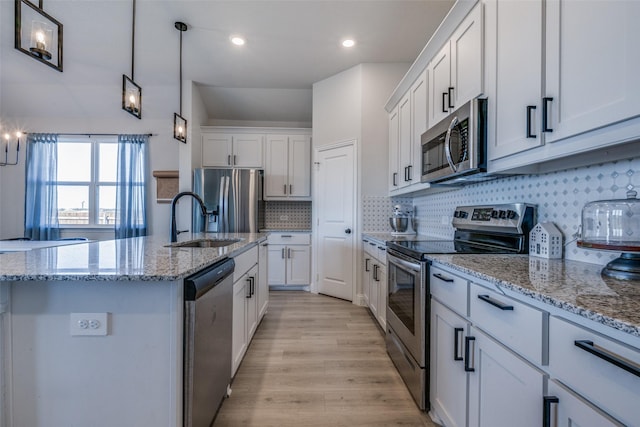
38, 34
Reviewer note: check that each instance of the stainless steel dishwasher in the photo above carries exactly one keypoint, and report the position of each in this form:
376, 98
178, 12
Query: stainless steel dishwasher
208, 305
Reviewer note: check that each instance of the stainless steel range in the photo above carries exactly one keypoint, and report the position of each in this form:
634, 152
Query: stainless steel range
478, 229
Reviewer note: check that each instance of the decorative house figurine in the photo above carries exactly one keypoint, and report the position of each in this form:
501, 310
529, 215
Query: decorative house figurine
545, 241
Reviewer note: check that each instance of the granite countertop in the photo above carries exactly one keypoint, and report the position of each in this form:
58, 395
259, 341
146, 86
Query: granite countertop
573, 286
135, 259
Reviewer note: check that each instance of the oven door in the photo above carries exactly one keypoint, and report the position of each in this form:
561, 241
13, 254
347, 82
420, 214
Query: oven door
406, 302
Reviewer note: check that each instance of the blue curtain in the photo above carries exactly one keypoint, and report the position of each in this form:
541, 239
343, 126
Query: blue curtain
131, 204
41, 198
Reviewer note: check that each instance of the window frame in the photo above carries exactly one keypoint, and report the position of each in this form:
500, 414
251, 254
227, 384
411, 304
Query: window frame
94, 184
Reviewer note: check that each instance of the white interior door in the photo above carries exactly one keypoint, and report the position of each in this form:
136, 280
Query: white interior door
336, 207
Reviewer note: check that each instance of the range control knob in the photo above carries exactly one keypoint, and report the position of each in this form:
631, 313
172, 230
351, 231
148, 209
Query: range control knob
494, 214
503, 214
456, 214
511, 214
463, 214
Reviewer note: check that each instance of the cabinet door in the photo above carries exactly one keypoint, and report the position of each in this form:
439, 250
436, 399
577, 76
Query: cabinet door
448, 378
439, 82
275, 168
405, 140
217, 149
575, 411
276, 269
374, 288
251, 301
299, 166
467, 58
515, 42
298, 265
394, 150
262, 288
367, 265
592, 63
239, 327
504, 390
382, 296
419, 123
247, 151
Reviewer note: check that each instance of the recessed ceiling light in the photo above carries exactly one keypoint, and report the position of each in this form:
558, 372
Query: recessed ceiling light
237, 40
348, 43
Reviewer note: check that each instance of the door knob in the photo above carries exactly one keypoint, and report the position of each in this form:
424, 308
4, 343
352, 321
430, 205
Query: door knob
348, 231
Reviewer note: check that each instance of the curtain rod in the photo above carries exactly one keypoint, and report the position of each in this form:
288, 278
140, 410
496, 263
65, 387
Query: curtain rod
101, 134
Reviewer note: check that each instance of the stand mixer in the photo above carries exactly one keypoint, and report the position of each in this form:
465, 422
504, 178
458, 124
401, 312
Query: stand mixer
403, 220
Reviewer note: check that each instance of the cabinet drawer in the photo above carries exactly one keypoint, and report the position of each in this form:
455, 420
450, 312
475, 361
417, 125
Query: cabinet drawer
370, 249
244, 262
603, 382
449, 289
289, 239
511, 322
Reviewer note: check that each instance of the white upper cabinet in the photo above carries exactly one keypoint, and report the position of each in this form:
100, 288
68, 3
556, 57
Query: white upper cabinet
405, 140
394, 150
563, 79
231, 150
407, 123
515, 85
591, 68
288, 167
455, 73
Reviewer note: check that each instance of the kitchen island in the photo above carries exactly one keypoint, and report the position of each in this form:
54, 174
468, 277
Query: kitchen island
129, 372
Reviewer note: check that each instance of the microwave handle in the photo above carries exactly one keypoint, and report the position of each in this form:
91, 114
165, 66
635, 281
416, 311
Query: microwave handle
447, 144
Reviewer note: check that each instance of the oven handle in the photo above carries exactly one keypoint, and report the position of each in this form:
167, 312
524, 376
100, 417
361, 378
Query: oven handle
394, 259
447, 144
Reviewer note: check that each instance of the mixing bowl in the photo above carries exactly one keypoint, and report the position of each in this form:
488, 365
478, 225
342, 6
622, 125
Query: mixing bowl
399, 224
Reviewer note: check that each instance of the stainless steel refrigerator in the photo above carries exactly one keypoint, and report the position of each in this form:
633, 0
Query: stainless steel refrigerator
234, 196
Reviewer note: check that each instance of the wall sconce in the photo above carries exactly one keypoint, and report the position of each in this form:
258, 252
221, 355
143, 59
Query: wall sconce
179, 122
41, 35
131, 92
7, 142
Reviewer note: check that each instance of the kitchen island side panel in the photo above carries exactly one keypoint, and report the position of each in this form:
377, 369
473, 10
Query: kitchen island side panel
131, 376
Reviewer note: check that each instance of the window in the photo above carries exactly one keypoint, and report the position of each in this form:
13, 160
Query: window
87, 169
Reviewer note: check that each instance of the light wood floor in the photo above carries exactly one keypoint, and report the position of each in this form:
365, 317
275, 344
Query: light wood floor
318, 361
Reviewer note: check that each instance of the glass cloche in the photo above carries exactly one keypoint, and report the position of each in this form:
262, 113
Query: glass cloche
614, 225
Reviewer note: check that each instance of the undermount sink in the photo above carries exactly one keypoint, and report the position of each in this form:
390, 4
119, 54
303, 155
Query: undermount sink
205, 243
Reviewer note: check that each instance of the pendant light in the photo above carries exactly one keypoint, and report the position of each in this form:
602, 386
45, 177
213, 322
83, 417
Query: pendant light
131, 92
179, 122
38, 34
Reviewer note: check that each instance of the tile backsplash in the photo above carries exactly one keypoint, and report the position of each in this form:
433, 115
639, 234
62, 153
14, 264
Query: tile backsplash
287, 215
377, 210
560, 197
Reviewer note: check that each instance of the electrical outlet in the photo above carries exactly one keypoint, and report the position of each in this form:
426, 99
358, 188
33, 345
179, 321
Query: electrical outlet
81, 324
284, 217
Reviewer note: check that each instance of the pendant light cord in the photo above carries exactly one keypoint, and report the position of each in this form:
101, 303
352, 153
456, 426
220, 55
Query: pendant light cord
181, 73
133, 40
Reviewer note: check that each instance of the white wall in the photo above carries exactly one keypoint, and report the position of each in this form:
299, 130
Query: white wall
337, 113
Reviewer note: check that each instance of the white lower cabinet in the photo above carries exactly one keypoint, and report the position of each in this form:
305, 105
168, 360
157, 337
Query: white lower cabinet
563, 408
448, 386
375, 280
250, 300
504, 390
289, 259
510, 362
245, 315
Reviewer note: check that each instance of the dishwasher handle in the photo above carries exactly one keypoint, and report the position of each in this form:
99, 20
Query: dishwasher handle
200, 283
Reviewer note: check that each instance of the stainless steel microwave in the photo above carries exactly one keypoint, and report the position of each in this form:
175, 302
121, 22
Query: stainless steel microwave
454, 150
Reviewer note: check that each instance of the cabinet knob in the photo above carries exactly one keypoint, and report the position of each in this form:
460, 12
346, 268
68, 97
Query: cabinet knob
347, 231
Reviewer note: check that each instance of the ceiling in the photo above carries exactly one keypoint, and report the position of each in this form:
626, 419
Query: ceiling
289, 46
